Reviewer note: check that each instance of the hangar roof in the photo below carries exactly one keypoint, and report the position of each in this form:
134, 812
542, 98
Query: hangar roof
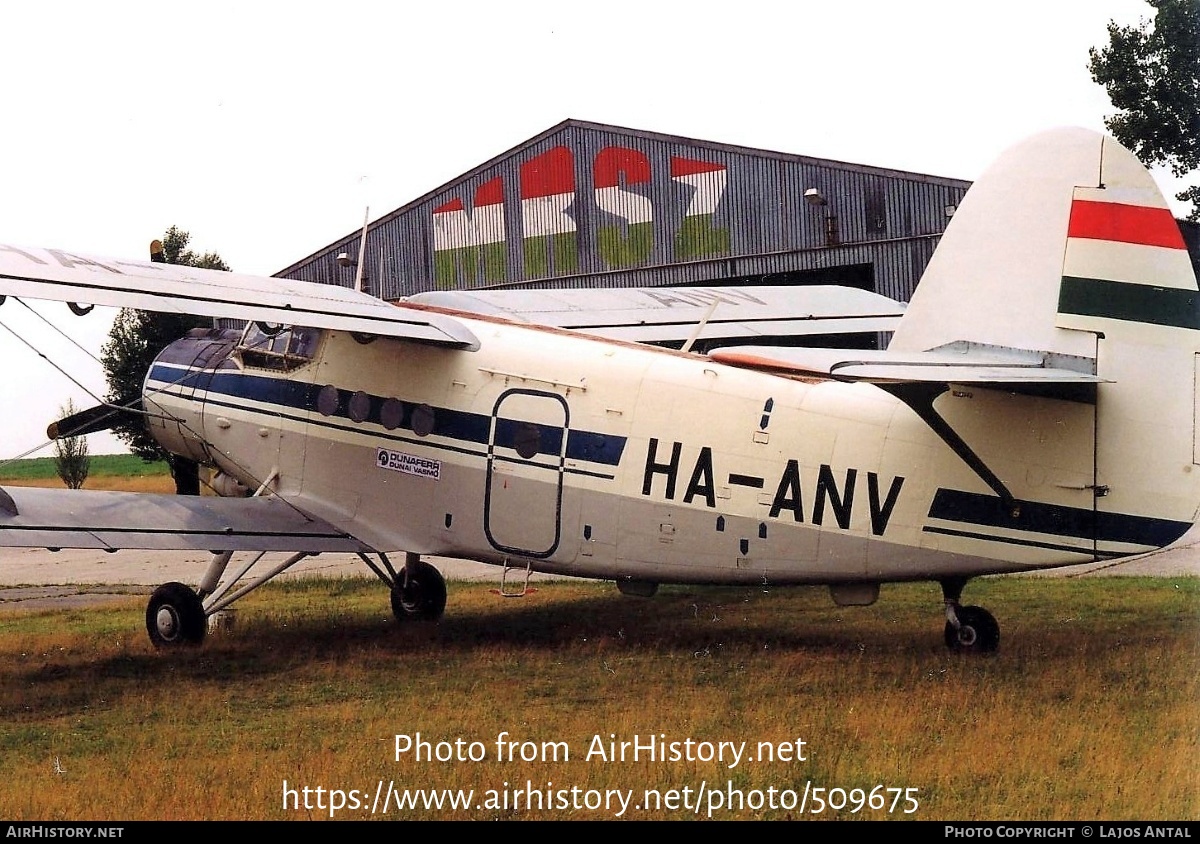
731, 149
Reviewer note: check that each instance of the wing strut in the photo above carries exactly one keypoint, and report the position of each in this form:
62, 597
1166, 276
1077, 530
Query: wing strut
920, 396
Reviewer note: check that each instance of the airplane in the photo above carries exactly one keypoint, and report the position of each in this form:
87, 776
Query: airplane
1036, 407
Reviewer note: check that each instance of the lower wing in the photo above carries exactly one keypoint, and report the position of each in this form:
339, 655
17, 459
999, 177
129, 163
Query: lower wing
59, 518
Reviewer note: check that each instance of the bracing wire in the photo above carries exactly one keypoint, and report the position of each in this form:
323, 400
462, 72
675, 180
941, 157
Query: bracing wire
127, 408
147, 398
43, 318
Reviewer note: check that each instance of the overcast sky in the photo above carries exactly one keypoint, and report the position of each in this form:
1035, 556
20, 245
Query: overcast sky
264, 129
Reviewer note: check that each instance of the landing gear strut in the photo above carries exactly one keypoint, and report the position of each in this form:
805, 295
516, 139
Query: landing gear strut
968, 629
418, 589
178, 615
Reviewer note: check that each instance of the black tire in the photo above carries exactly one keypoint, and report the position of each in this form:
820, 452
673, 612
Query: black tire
977, 632
420, 595
175, 616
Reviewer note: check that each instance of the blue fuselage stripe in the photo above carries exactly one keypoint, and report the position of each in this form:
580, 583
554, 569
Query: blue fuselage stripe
589, 446
980, 510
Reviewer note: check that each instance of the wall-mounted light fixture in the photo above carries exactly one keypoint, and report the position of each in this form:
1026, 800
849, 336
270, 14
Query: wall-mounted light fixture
816, 199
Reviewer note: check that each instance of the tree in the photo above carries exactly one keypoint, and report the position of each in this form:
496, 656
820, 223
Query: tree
175, 251
71, 459
1152, 75
134, 341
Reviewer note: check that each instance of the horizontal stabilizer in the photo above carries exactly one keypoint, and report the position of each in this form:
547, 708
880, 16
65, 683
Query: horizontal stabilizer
170, 288
664, 314
957, 363
61, 518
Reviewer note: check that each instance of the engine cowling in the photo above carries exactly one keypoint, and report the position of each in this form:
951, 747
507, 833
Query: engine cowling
176, 387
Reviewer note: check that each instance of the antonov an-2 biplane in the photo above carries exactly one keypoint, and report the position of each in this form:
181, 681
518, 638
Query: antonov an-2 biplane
1036, 407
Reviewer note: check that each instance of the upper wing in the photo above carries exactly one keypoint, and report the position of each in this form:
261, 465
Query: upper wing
958, 363
660, 314
61, 518
171, 288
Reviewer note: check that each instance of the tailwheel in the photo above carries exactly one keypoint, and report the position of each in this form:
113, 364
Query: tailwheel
175, 616
977, 631
419, 593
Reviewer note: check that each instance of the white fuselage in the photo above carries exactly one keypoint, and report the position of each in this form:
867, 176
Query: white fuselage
605, 459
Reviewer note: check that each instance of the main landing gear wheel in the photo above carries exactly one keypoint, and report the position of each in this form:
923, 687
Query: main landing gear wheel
175, 616
977, 631
420, 594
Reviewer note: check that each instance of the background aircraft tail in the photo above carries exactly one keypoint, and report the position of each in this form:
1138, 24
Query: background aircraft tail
1066, 247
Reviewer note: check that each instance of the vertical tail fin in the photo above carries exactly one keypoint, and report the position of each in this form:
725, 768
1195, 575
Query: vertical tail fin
1066, 246
1064, 228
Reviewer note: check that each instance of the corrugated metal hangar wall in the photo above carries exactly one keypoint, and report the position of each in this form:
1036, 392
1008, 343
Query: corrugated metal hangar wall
589, 205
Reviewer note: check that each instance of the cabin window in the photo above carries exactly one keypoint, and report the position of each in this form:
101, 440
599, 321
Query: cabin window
360, 406
422, 420
391, 414
328, 400
527, 440
285, 350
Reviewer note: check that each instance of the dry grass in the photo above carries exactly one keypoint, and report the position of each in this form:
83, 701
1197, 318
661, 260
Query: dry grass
1090, 710
131, 483
121, 472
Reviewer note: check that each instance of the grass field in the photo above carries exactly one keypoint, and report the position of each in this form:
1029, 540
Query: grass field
1091, 709
122, 472
102, 465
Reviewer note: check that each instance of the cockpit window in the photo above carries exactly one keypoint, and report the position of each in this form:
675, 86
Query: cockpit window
286, 349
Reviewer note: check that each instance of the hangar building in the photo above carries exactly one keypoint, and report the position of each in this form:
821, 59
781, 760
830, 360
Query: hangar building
590, 205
